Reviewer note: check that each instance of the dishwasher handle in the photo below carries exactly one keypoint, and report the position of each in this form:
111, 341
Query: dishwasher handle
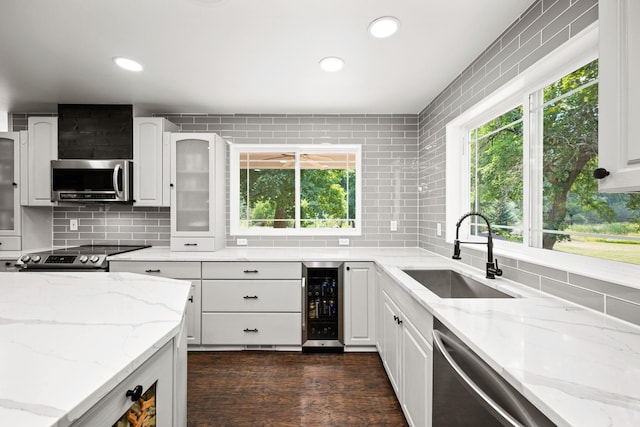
441, 340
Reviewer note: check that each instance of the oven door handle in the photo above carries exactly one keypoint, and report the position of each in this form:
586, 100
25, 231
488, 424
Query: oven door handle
502, 415
116, 170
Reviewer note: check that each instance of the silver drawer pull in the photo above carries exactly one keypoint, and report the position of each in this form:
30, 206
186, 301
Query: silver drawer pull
251, 271
191, 244
251, 330
152, 271
250, 297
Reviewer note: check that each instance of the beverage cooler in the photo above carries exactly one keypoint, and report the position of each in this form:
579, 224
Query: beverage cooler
322, 313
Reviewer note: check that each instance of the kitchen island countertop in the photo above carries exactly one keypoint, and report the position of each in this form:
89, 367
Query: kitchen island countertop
67, 339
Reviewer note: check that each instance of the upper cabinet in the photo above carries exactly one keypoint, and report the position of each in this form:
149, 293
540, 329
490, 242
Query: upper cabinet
38, 150
152, 160
9, 191
197, 192
619, 95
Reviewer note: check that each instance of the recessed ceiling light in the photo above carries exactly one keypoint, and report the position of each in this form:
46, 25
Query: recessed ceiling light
127, 64
331, 63
384, 27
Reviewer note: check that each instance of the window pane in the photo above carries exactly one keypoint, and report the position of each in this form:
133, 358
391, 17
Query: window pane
576, 217
496, 175
267, 190
327, 190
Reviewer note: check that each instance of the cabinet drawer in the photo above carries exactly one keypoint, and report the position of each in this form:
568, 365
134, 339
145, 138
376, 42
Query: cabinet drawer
251, 295
158, 368
251, 270
192, 244
251, 328
171, 269
11, 243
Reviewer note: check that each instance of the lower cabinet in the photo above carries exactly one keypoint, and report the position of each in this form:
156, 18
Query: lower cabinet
251, 328
391, 342
158, 371
359, 305
416, 364
183, 270
252, 303
405, 352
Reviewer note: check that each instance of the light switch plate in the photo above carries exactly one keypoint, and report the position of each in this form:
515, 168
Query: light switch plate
438, 229
73, 225
241, 242
393, 226
343, 242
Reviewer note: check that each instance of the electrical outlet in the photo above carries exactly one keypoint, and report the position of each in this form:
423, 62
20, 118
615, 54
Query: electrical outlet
73, 225
438, 229
393, 226
241, 242
343, 242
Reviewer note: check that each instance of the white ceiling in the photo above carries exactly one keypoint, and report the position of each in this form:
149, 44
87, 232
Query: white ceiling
240, 56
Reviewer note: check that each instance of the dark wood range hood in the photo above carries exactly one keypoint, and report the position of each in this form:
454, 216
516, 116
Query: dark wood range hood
95, 131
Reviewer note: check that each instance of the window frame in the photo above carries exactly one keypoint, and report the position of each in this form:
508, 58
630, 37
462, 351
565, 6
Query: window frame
575, 53
234, 188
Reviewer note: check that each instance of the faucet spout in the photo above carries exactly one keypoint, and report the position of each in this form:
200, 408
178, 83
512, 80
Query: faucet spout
492, 267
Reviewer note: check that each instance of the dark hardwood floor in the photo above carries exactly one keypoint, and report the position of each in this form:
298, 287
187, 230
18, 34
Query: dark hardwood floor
256, 388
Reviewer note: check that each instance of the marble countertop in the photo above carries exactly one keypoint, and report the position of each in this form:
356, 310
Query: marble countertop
66, 339
580, 367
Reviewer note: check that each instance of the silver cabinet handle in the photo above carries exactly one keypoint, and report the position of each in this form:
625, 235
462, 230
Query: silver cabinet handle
439, 341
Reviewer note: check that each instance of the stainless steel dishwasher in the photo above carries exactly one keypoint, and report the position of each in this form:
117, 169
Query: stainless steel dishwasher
468, 392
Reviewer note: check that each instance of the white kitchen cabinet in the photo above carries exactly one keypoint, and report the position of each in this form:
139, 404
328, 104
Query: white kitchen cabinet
183, 270
416, 365
391, 338
359, 304
152, 160
619, 95
251, 303
41, 148
159, 370
21, 227
405, 351
10, 191
194, 313
197, 192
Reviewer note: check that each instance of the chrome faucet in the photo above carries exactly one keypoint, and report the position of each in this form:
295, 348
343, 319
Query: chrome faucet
492, 265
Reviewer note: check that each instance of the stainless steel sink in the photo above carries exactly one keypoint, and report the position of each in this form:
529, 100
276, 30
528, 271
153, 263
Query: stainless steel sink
449, 284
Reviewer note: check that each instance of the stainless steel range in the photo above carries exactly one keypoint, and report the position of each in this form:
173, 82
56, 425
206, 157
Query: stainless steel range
78, 258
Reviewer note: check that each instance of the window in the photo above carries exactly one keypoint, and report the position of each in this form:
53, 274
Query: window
495, 163
295, 190
529, 160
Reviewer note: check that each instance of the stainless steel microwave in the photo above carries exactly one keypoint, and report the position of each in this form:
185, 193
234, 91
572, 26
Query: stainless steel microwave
92, 181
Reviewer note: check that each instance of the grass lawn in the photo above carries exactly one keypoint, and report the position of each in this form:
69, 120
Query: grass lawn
624, 252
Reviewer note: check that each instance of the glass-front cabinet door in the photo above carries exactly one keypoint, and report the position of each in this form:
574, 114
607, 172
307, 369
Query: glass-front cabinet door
9, 192
197, 192
192, 185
